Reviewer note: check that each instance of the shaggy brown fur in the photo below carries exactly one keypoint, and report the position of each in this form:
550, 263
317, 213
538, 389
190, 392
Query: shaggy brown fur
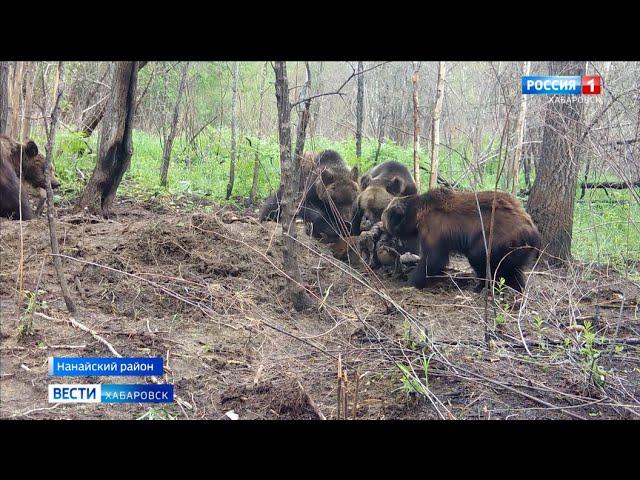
379, 186
448, 221
11, 202
328, 189
33, 175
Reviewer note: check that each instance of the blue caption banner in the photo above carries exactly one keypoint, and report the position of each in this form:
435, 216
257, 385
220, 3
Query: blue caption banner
97, 366
111, 393
135, 393
552, 85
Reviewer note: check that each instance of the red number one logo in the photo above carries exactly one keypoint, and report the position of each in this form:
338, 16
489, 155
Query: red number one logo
591, 85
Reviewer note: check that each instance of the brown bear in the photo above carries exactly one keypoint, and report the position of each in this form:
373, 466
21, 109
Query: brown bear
11, 202
379, 186
33, 175
329, 191
447, 221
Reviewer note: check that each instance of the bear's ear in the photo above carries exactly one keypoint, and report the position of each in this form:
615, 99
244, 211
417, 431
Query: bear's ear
354, 174
396, 216
395, 186
327, 177
31, 149
364, 181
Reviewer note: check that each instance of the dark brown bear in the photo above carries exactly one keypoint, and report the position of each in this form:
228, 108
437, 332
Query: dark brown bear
33, 174
448, 221
379, 186
329, 192
10, 199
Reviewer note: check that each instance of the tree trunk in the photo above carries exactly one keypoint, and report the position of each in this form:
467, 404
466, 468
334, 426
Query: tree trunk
289, 168
98, 113
416, 126
527, 171
15, 99
382, 116
520, 123
234, 130
359, 110
316, 105
256, 163
4, 96
168, 143
435, 126
55, 248
553, 193
29, 80
301, 132
116, 144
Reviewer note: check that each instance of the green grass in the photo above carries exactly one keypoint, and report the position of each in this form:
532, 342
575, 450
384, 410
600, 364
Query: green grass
606, 230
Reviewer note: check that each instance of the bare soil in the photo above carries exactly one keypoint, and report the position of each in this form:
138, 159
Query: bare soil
205, 292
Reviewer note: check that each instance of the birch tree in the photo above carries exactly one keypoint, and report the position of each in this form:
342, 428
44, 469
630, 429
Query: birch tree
256, 162
435, 125
234, 130
359, 109
416, 126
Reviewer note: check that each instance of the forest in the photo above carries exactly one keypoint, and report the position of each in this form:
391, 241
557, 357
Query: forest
318, 240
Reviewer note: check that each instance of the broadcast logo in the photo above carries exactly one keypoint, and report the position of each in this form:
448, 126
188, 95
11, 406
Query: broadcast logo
108, 393
562, 85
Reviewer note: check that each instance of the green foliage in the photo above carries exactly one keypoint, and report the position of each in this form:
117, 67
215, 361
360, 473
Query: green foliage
412, 339
157, 414
72, 143
591, 355
499, 292
606, 229
539, 329
411, 384
25, 325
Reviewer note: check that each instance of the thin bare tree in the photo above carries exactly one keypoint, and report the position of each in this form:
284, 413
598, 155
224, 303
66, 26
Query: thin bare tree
416, 125
382, 118
15, 98
51, 218
359, 109
435, 125
256, 162
234, 129
520, 125
4, 96
289, 168
29, 81
303, 113
168, 143
315, 108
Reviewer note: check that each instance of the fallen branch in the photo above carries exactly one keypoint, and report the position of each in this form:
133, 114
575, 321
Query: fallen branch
310, 401
33, 410
611, 185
